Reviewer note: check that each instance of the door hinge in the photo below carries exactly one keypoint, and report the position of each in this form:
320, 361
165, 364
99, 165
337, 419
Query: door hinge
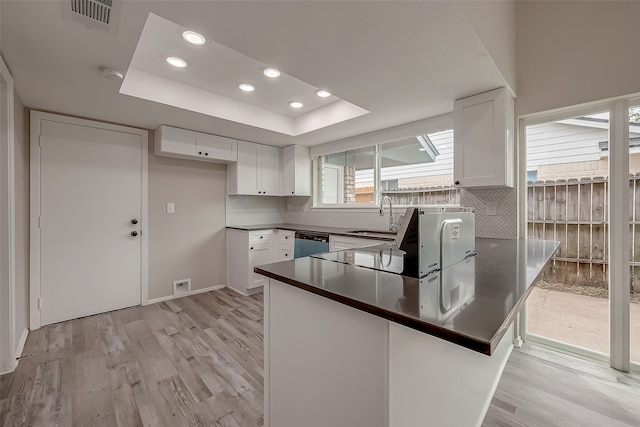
39, 303
39, 222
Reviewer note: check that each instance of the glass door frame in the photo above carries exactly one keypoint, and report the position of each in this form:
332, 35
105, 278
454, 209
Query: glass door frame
618, 222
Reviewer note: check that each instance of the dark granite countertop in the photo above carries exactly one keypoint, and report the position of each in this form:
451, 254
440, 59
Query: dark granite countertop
471, 303
315, 228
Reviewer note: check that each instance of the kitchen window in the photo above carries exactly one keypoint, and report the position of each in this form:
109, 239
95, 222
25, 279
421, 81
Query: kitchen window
414, 171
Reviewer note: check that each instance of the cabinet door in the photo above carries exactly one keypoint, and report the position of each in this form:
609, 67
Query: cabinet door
296, 171
248, 168
258, 255
270, 170
217, 148
483, 134
338, 243
176, 141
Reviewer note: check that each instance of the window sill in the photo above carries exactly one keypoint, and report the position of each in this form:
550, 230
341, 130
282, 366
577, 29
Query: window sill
372, 208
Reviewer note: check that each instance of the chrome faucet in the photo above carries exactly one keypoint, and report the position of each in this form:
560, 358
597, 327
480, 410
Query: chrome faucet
392, 226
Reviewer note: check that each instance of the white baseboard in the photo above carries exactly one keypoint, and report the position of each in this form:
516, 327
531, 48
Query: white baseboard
14, 363
252, 291
22, 342
186, 294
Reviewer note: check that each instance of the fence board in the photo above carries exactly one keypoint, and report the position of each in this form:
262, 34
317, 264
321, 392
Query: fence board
561, 236
561, 201
598, 202
539, 195
584, 238
550, 202
572, 241
560, 270
585, 200
598, 239
584, 274
572, 200
531, 203
598, 276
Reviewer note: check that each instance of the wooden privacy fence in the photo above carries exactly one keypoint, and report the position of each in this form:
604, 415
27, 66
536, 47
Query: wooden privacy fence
574, 212
440, 195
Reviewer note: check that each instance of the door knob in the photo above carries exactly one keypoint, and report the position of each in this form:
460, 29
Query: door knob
134, 233
134, 221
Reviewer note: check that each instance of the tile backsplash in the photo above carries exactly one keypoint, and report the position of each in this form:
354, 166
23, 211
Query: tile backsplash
502, 225
243, 210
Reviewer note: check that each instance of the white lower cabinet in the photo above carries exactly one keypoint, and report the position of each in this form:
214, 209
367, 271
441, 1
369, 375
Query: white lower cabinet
245, 250
284, 244
339, 243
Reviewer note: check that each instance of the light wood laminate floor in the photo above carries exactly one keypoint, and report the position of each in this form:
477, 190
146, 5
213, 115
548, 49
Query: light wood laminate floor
197, 361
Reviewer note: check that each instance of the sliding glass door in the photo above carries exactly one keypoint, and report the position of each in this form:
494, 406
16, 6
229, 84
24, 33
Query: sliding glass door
581, 190
567, 173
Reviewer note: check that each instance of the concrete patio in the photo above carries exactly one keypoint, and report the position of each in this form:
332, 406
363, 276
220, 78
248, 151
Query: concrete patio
577, 319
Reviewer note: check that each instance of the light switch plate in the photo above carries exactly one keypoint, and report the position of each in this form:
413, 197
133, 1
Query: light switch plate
171, 208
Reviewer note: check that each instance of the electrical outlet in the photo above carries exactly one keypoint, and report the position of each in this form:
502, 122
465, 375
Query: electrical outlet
171, 208
491, 209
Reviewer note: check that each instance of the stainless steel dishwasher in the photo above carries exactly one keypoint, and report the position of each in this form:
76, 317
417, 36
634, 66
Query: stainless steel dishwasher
310, 243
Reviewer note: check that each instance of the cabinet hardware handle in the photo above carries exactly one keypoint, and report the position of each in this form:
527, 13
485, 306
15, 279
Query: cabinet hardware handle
199, 152
457, 183
251, 248
293, 192
286, 237
206, 154
134, 221
262, 237
134, 233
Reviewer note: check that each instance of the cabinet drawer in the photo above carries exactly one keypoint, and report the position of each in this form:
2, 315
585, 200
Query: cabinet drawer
285, 254
286, 237
260, 236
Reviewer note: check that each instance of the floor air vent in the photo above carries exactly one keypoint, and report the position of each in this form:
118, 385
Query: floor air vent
96, 14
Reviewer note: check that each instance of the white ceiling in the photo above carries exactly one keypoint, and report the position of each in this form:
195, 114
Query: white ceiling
402, 61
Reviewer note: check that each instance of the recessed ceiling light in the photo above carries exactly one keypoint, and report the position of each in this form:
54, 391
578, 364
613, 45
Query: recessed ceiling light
176, 62
246, 87
323, 93
271, 72
296, 104
193, 37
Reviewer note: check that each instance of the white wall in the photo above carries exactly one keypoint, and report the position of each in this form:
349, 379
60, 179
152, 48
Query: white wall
244, 210
573, 52
191, 243
495, 25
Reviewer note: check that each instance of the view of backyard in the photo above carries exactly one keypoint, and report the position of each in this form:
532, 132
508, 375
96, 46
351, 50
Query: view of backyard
567, 201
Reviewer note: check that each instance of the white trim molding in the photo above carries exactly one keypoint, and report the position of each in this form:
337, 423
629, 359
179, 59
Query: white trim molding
619, 275
186, 294
7, 224
34, 284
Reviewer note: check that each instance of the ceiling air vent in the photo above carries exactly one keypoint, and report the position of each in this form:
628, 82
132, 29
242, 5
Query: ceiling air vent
95, 14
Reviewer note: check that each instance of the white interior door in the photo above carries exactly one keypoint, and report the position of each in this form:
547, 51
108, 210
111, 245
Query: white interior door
90, 191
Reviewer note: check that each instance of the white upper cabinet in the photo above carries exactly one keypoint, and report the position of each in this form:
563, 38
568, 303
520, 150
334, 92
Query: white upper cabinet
296, 171
187, 144
257, 171
483, 140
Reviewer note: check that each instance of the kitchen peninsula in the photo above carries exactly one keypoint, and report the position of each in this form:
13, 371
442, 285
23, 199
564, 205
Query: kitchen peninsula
405, 352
